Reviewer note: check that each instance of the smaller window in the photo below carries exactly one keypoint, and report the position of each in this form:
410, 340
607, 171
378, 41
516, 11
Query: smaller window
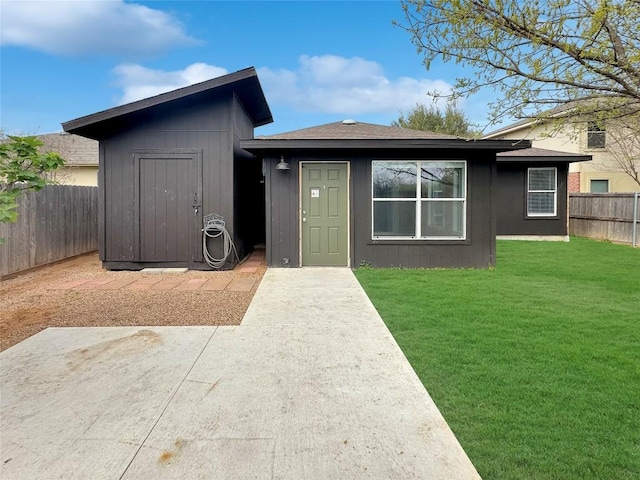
595, 135
542, 192
599, 186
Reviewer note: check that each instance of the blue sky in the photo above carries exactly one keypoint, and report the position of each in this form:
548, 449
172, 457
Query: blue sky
318, 61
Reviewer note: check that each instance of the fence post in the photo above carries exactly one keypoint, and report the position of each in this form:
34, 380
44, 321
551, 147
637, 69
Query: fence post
635, 219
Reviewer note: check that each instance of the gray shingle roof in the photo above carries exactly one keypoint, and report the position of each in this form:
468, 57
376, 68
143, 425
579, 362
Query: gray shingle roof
538, 152
75, 150
541, 154
355, 131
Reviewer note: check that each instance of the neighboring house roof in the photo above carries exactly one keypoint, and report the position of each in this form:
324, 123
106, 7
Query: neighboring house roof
74, 149
527, 122
243, 83
541, 155
545, 116
349, 134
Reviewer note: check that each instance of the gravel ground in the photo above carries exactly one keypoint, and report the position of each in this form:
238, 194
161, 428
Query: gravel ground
27, 306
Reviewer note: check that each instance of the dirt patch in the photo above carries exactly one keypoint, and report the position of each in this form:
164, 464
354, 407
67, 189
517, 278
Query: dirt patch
30, 304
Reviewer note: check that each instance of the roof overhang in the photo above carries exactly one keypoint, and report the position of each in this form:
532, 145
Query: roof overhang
243, 83
541, 155
532, 159
514, 127
263, 146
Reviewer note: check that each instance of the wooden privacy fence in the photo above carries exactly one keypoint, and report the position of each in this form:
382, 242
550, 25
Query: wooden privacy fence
605, 216
57, 222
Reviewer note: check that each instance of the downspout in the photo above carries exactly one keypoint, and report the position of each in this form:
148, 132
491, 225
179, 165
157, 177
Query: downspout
634, 239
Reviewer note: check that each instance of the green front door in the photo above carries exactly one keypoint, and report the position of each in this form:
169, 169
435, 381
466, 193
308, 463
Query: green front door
325, 238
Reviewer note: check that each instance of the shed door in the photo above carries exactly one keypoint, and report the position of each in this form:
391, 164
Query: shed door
169, 200
324, 215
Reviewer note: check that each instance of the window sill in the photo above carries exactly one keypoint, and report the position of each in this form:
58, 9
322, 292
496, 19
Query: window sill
418, 241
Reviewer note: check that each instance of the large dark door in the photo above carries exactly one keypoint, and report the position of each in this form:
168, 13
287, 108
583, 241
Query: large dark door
169, 200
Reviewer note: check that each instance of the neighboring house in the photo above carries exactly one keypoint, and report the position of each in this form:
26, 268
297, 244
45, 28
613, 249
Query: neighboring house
343, 194
80, 155
600, 175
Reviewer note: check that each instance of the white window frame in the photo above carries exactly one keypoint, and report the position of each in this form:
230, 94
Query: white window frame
418, 201
555, 192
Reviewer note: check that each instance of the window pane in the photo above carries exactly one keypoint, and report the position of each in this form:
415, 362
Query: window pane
595, 139
394, 179
442, 219
599, 186
394, 219
542, 179
595, 135
541, 203
442, 180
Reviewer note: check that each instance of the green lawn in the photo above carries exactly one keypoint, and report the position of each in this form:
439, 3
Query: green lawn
536, 363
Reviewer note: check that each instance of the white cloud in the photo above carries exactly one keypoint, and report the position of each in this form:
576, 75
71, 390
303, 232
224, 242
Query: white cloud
90, 27
321, 84
140, 82
339, 85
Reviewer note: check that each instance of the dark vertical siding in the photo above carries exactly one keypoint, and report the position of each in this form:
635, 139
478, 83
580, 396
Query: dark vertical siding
511, 202
101, 204
478, 250
282, 214
202, 127
248, 191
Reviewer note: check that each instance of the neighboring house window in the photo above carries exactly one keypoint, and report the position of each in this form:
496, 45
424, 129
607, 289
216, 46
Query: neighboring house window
595, 135
419, 199
542, 192
599, 186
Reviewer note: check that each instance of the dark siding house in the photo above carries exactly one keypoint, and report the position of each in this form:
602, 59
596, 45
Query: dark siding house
350, 194
341, 194
167, 161
531, 193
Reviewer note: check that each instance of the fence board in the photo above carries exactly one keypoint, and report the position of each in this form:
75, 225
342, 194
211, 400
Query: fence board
603, 216
58, 222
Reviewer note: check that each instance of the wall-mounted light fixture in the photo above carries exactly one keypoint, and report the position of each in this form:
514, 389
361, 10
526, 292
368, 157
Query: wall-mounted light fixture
282, 165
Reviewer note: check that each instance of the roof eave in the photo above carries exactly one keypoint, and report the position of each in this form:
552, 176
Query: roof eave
514, 127
543, 159
255, 145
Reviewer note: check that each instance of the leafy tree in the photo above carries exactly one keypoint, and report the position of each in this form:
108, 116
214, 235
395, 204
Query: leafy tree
22, 167
573, 59
431, 119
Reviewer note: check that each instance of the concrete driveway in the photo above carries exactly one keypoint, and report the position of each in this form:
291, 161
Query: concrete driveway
311, 385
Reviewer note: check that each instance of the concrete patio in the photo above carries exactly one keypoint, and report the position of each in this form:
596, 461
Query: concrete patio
310, 385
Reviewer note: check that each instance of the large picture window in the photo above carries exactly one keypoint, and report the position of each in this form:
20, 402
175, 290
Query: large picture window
542, 192
419, 199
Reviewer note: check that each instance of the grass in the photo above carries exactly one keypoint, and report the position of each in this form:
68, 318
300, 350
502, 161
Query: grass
534, 364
